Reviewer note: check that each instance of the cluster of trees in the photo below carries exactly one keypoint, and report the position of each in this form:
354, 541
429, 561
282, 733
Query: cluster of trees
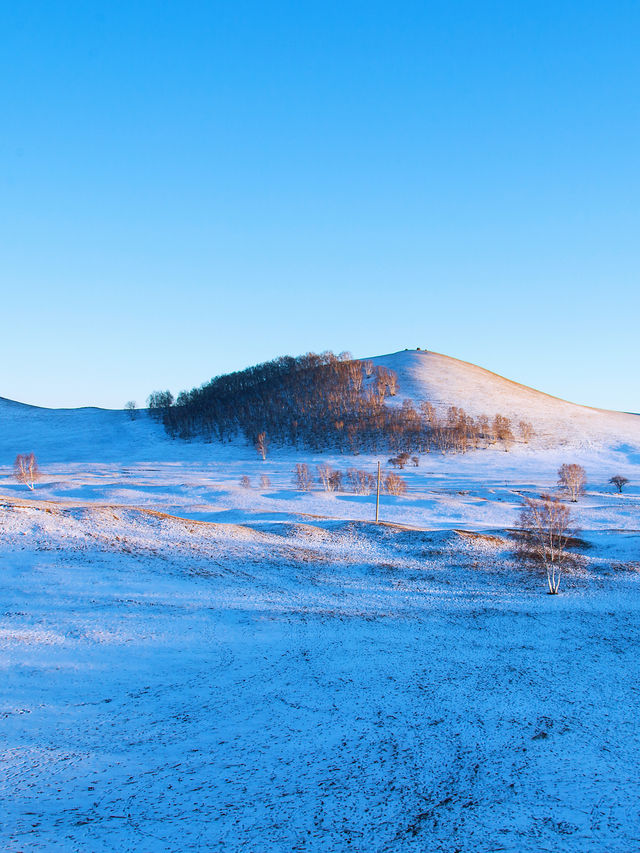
313, 401
403, 459
325, 401
352, 480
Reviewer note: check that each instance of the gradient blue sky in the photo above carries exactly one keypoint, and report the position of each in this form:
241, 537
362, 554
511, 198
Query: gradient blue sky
189, 188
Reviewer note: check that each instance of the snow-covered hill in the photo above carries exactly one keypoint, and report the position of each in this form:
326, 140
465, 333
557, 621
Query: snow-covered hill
77, 435
446, 381
101, 435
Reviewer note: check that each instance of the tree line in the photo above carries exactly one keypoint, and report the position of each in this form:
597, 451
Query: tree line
325, 401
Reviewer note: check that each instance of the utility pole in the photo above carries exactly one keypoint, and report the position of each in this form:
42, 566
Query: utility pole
378, 495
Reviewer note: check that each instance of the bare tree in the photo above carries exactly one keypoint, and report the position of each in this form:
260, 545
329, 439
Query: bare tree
327, 478
502, 430
386, 382
487, 430
572, 479
302, 477
25, 469
335, 481
394, 484
619, 481
265, 482
392, 382
543, 536
261, 444
526, 431
360, 482
131, 407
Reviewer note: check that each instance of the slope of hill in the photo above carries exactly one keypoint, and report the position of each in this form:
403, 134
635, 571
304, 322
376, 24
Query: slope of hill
86, 434
446, 381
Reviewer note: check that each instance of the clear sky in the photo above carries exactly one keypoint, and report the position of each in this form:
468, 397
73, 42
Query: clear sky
189, 188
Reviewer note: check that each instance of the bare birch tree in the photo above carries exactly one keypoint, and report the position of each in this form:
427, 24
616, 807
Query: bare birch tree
335, 481
302, 477
261, 444
25, 469
394, 484
544, 533
326, 477
503, 431
526, 431
360, 482
572, 479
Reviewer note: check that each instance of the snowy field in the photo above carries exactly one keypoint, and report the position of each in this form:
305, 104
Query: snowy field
192, 665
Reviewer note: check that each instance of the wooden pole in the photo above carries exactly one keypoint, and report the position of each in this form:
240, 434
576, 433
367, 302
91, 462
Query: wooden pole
378, 495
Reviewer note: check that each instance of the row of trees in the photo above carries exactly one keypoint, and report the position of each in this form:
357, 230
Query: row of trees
325, 401
352, 480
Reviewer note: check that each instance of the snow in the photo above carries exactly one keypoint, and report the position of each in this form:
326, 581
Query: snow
191, 665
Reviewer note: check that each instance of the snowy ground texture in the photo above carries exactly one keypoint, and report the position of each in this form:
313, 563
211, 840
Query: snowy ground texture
191, 665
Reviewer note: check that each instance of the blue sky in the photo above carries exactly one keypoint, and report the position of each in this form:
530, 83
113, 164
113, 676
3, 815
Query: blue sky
189, 188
